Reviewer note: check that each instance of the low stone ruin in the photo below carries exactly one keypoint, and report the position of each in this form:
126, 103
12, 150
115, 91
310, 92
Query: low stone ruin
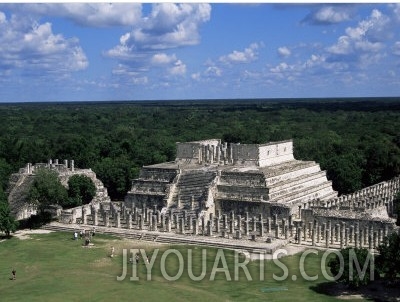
21, 182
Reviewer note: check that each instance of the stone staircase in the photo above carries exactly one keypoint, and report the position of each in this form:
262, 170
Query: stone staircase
193, 184
18, 192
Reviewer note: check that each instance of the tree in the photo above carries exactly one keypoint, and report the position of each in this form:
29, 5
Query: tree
8, 224
357, 265
47, 189
81, 190
388, 259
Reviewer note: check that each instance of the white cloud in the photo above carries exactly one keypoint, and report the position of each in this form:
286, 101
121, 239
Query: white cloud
250, 54
34, 48
281, 68
329, 15
366, 37
178, 69
213, 71
284, 51
168, 26
86, 14
162, 59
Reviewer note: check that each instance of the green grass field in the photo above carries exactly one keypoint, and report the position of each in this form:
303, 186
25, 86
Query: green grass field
53, 267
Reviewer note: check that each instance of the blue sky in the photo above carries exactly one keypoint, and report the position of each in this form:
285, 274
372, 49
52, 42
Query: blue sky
133, 51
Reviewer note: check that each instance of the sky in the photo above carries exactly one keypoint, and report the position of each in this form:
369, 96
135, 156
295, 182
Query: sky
133, 51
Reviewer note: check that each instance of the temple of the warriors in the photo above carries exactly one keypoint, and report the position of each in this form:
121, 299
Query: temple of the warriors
236, 194
208, 176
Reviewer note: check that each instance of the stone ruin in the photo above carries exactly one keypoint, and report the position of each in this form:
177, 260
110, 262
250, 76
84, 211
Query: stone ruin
246, 193
21, 182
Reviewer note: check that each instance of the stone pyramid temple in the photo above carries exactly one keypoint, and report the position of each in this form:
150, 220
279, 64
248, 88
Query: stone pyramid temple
209, 176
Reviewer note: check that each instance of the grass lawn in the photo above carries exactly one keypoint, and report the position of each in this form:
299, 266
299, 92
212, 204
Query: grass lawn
53, 267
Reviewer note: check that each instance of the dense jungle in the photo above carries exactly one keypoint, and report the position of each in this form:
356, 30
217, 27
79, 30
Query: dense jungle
356, 140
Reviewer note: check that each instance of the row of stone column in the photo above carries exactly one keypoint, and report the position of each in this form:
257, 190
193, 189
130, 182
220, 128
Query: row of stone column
340, 234
225, 225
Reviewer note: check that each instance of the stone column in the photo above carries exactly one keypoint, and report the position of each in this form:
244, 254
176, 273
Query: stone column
341, 237
141, 222
182, 226
169, 224
370, 241
356, 239
346, 237
246, 227
327, 237
95, 217
191, 223
106, 219
337, 232
84, 218
209, 228
351, 234
154, 223
150, 219
275, 222
286, 229
224, 221
239, 222
313, 233
118, 220
261, 223
299, 234
158, 215
232, 226
380, 236
129, 221
254, 223
162, 221
269, 229
217, 225
196, 227
277, 231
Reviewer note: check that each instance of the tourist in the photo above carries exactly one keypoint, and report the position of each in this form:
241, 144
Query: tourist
137, 258
75, 235
112, 252
14, 273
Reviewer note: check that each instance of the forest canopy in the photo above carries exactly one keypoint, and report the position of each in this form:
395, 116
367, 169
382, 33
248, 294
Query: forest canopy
356, 140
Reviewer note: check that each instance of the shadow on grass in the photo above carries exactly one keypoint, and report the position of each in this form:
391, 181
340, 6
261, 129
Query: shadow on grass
378, 290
